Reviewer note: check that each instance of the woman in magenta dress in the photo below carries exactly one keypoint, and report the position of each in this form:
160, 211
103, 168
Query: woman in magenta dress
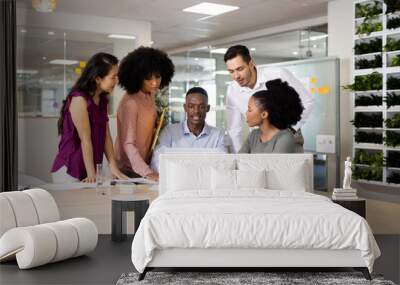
83, 124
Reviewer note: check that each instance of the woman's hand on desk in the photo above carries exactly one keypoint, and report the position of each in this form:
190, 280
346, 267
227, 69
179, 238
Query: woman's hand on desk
90, 179
115, 172
153, 176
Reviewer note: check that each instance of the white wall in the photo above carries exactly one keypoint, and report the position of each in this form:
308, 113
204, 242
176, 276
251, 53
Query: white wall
340, 44
383, 217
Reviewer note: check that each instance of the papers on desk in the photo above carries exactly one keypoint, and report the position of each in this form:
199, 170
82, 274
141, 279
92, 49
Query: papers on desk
68, 186
81, 185
139, 180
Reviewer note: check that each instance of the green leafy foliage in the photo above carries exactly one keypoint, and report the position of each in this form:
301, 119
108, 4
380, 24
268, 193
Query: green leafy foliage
392, 99
369, 12
368, 173
368, 120
393, 83
393, 159
374, 45
393, 177
392, 44
371, 81
372, 158
393, 23
368, 9
368, 27
363, 63
395, 61
392, 6
393, 122
392, 139
162, 102
364, 137
368, 100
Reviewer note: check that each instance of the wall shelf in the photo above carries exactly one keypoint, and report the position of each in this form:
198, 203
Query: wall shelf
368, 146
369, 36
368, 109
372, 54
377, 183
367, 71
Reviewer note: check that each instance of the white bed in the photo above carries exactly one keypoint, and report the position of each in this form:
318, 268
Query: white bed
202, 220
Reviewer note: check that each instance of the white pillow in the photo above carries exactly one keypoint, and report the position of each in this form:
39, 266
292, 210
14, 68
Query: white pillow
282, 174
227, 179
251, 178
186, 175
291, 177
223, 179
183, 177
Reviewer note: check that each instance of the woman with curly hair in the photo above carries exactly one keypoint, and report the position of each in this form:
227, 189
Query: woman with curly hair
273, 110
141, 74
83, 124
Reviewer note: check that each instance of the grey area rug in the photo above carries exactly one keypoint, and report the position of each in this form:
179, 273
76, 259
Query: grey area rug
243, 278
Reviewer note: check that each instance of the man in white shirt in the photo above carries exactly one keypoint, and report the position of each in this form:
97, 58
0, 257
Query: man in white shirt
248, 79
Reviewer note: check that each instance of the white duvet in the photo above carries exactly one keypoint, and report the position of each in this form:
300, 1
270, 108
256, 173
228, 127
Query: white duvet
250, 219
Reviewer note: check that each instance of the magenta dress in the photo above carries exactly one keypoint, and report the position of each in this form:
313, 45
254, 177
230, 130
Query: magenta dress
69, 149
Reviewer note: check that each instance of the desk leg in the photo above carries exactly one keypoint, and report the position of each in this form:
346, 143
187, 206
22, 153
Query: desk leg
140, 211
116, 222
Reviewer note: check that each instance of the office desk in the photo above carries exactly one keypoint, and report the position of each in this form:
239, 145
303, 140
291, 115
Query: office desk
92, 204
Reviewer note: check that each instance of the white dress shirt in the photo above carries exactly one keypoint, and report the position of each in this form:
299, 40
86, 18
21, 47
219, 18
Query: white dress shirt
237, 100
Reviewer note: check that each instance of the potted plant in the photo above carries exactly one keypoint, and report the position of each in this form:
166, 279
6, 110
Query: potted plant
364, 137
393, 159
393, 23
367, 173
371, 46
392, 6
363, 63
368, 100
368, 120
394, 122
392, 139
393, 177
371, 158
371, 81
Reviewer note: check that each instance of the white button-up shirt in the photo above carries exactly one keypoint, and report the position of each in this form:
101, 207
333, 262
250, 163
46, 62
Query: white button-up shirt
237, 99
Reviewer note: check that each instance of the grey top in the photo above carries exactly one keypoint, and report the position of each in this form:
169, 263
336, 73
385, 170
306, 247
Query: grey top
282, 142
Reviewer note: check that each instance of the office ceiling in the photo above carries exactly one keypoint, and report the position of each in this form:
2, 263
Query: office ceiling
173, 28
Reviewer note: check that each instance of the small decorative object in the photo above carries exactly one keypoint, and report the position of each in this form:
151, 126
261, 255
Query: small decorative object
345, 193
347, 174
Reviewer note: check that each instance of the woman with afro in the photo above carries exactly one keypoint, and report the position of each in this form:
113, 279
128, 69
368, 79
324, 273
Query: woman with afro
141, 74
274, 111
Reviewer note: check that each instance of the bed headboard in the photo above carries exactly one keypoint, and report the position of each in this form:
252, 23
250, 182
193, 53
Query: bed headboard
282, 162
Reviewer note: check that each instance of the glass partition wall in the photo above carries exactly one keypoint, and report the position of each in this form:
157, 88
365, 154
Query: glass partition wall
205, 66
48, 63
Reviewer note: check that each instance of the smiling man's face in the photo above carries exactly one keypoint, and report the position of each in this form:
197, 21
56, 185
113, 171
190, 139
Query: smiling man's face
196, 108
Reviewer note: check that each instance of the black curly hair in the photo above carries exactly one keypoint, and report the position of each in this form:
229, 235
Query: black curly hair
282, 103
141, 64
